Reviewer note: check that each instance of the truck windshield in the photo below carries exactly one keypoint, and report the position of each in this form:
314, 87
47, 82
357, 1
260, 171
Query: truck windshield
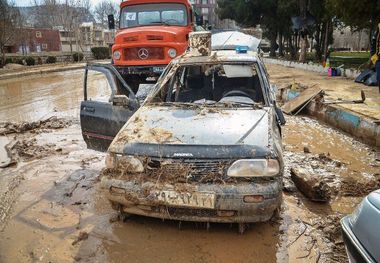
153, 14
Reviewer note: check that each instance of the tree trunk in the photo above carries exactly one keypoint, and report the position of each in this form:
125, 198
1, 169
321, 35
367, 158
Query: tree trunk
280, 45
326, 41
292, 48
318, 52
3, 56
303, 36
273, 45
304, 44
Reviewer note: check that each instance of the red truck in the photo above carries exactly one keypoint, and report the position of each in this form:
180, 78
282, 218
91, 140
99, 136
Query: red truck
150, 35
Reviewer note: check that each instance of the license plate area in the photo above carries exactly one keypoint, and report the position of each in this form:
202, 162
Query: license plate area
196, 200
158, 69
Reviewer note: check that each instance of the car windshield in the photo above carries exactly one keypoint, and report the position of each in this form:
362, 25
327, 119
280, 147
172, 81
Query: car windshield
153, 14
213, 85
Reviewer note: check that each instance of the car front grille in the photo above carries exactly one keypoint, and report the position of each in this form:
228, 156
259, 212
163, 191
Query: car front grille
189, 170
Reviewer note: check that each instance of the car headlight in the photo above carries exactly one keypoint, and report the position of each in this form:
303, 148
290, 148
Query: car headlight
117, 55
172, 53
355, 215
254, 168
125, 162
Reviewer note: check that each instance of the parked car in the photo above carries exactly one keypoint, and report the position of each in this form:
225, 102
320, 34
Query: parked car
204, 146
361, 230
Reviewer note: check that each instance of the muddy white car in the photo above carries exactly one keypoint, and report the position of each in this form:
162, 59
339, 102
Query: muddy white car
204, 146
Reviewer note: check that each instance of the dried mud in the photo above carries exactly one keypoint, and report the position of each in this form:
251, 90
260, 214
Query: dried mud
52, 209
62, 215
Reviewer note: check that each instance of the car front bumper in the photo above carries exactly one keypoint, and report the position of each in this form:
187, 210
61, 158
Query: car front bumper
227, 206
355, 250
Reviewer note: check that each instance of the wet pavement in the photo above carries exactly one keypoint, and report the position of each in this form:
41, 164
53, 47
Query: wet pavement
57, 213
38, 97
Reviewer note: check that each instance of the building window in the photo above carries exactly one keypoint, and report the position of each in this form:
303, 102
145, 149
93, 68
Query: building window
204, 11
204, 2
44, 46
38, 34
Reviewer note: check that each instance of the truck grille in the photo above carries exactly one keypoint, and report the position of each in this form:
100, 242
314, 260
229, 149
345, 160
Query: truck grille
154, 37
149, 53
190, 170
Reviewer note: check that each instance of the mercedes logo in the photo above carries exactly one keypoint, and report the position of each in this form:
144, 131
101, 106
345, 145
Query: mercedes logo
143, 53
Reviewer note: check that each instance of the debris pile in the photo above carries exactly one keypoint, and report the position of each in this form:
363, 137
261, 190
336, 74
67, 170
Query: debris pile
35, 127
29, 149
351, 187
310, 184
312, 174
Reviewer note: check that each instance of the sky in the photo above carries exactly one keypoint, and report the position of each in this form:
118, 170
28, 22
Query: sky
30, 2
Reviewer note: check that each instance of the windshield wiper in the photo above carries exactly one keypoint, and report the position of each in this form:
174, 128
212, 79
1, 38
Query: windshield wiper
176, 104
160, 22
240, 103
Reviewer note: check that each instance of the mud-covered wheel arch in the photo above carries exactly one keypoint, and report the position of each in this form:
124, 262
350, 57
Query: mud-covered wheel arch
121, 214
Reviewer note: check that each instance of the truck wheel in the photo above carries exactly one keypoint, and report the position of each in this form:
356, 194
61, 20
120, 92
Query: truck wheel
134, 84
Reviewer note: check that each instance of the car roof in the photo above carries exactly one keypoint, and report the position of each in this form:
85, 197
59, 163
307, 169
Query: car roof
230, 40
220, 56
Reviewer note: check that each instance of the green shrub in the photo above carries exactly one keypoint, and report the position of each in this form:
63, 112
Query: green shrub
51, 60
30, 61
18, 61
8, 60
100, 52
77, 56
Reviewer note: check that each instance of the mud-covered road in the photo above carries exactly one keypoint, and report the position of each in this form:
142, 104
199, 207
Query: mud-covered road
52, 210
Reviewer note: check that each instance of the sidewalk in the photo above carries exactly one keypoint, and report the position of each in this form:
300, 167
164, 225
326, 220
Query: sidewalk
335, 88
46, 68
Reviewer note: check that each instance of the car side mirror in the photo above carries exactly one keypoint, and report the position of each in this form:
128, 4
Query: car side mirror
198, 20
273, 91
279, 115
124, 101
111, 22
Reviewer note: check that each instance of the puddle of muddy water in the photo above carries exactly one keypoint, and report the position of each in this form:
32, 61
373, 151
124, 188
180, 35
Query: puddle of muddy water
355, 159
39, 97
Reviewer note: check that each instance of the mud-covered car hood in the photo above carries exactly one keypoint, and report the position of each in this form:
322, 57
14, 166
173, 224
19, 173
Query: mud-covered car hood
183, 129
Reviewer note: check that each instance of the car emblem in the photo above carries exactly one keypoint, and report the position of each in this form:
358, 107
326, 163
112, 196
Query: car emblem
143, 53
183, 155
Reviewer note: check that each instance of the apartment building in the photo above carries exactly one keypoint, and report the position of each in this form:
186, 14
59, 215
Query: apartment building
207, 9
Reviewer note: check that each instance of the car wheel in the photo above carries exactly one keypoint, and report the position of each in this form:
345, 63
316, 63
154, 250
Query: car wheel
243, 227
123, 216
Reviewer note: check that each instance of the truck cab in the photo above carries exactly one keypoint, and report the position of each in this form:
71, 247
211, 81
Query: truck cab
151, 33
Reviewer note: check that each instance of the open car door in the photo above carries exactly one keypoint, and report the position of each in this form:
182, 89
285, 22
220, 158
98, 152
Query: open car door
101, 121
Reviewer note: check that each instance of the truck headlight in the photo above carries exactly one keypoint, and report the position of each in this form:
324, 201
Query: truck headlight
125, 162
117, 55
254, 168
172, 53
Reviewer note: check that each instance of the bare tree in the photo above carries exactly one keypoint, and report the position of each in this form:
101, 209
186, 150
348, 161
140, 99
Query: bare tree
10, 23
103, 9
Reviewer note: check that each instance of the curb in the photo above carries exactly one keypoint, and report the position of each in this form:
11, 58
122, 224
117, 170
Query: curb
360, 127
41, 71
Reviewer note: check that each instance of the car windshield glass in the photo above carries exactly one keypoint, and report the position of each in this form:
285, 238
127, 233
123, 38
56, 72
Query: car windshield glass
153, 14
214, 85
